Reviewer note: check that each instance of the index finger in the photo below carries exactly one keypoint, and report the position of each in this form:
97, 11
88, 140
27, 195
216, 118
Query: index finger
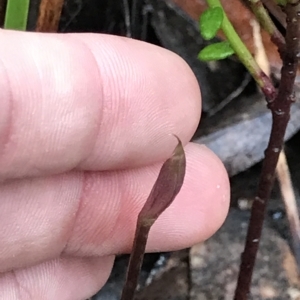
91, 102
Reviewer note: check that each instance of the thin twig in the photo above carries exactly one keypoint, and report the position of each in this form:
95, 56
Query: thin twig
276, 11
136, 259
49, 15
267, 24
260, 54
231, 96
282, 169
280, 109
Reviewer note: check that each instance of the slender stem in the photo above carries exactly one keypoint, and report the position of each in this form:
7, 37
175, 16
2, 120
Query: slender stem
244, 54
280, 109
136, 259
49, 15
16, 14
267, 23
276, 11
163, 193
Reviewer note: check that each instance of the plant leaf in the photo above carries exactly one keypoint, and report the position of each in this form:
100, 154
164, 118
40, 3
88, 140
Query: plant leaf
210, 22
16, 14
216, 51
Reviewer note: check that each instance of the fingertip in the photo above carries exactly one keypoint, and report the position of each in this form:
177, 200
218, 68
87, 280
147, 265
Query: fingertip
201, 206
195, 214
164, 94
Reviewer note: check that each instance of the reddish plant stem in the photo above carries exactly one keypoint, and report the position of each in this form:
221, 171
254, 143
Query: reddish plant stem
280, 109
163, 193
266, 22
136, 258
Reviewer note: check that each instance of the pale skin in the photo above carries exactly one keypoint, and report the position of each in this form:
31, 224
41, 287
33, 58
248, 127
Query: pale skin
85, 124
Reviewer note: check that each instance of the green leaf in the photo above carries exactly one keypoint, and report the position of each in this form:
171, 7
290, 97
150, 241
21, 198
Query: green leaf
16, 14
210, 22
216, 51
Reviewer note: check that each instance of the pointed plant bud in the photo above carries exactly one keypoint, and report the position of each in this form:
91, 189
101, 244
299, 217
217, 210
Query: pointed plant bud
164, 191
167, 185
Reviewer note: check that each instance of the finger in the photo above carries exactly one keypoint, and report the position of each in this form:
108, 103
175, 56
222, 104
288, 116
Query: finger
62, 278
92, 102
95, 213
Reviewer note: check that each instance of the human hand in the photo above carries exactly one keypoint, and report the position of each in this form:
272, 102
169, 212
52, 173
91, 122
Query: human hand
85, 124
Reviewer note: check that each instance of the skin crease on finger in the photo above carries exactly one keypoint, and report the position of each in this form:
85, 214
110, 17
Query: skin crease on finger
106, 98
62, 278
